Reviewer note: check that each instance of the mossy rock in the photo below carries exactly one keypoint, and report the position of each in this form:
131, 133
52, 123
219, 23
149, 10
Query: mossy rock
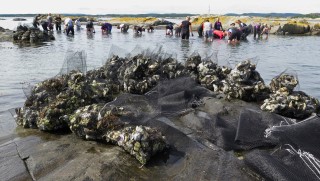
295, 28
134, 20
317, 26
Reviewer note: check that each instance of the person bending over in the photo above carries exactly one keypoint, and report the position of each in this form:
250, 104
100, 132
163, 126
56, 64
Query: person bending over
150, 29
123, 28
169, 29
219, 34
89, 26
234, 35
138, 30
70, 27
106, 28
177, 31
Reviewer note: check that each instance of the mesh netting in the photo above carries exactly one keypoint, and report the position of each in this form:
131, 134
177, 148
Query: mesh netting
27, 89
286, 81
297, 157
169, 98
117, 51
74, 61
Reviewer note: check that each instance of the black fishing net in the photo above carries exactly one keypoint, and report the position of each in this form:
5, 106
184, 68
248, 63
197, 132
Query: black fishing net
298, 155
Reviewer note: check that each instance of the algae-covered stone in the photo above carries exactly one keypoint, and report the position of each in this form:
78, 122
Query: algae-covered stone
295, 28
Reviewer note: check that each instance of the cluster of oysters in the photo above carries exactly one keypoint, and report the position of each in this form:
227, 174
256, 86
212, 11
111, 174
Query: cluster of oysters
285, 101
74, 101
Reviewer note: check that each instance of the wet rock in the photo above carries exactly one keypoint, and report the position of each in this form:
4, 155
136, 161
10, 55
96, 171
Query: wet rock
294, 28
5, 34
19, 19
31, 35
161, 22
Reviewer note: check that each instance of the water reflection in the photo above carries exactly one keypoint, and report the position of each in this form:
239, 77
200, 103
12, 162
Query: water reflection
185, 49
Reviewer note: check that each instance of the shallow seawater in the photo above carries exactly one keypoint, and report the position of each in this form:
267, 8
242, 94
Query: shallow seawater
34, 63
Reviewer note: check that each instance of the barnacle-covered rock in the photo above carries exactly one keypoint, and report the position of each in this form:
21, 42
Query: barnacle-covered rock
295, 105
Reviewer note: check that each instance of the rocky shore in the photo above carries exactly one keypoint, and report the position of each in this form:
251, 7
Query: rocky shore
25, 34
180, 120
5, 35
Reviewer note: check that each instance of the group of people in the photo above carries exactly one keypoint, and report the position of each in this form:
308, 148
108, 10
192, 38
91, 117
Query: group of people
47, 23
235, 34
210, 31
206, 29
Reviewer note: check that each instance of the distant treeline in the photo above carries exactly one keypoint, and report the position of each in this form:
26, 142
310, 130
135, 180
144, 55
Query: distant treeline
109, 15
173, 15
276, 15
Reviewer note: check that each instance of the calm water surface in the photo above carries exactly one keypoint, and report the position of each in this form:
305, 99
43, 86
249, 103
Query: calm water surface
19, 64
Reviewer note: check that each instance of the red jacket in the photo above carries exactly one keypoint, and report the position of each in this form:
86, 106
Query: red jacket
218, 33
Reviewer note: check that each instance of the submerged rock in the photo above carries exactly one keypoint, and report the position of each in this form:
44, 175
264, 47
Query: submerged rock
19, 19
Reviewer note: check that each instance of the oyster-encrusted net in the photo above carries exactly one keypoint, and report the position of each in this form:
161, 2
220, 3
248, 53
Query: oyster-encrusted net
292, 79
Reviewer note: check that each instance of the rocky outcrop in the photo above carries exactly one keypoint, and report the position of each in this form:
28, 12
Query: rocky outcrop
293, 29
31, 35
5, 35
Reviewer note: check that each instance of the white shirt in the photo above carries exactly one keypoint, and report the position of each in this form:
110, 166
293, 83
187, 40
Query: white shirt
66, 21
207, 26
78, 23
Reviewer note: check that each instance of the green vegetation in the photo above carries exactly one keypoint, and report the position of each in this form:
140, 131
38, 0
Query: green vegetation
311, 15
317, 26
